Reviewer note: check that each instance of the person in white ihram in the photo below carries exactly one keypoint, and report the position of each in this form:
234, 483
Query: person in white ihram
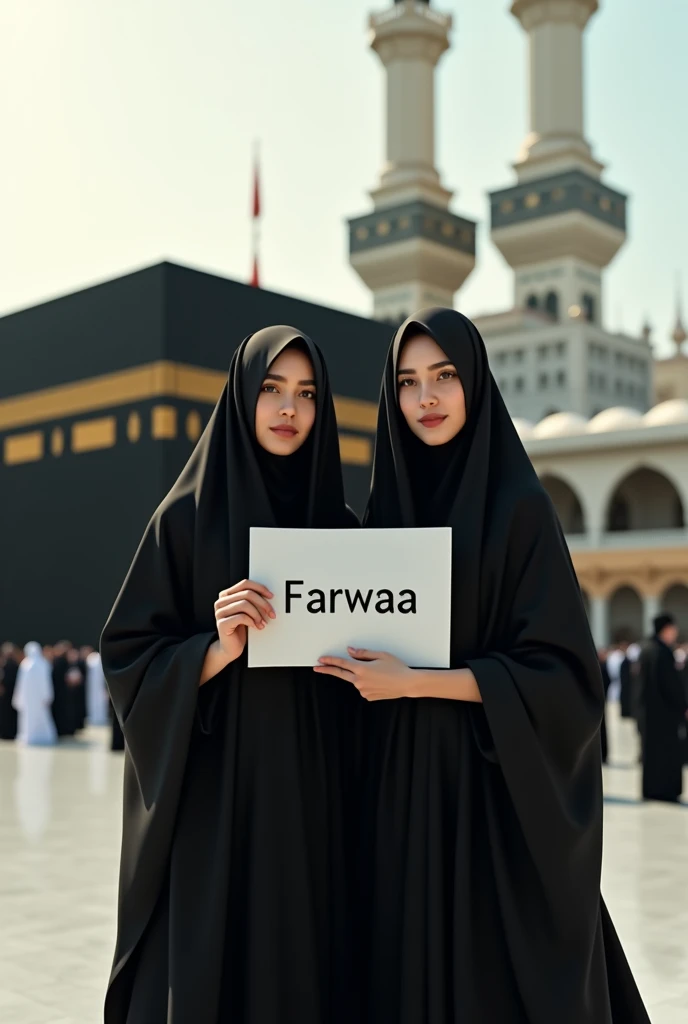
32, 699
97, 702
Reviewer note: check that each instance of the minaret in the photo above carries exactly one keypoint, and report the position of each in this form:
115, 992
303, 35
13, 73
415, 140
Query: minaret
679, 334
560, 225
411, 251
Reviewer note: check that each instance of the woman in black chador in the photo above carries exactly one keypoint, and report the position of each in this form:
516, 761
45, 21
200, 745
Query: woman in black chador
483, 836
665, 707
233, 888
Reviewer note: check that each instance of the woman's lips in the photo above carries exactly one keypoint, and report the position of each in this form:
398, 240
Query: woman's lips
432, 420
284, 431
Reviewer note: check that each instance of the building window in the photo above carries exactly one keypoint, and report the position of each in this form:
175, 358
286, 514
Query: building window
543, 381
619, 515
602, 383
532, 302
561, 348
542, 351
588, 306
618, 387
519, 355
519, 384
561, 378
592, 380
552, 304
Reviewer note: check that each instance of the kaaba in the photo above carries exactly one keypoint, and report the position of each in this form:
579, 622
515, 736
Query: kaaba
103, 394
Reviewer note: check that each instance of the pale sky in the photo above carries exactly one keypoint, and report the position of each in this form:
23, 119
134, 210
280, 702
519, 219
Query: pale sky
128, 127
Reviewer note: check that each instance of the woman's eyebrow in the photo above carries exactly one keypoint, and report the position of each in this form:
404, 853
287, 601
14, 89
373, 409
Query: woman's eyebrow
283, 380
435, 366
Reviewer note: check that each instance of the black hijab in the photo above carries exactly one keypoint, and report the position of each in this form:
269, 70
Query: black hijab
519, 624
230, 483
430, 473
413, 481
237, 484
473, 483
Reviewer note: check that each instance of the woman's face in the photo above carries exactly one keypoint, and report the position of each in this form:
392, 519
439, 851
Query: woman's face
431, 396
285, 410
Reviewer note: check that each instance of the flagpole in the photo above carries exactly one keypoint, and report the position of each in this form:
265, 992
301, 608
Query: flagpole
256, 213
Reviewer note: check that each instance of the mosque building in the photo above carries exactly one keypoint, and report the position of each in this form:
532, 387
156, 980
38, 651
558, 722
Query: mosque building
583, 398
92, 435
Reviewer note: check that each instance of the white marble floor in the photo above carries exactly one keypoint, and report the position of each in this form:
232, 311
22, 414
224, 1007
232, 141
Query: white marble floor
59, 848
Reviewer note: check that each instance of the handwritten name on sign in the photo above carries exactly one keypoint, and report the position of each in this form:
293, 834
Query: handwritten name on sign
381, 589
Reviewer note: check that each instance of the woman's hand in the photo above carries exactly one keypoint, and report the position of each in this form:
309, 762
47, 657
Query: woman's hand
244, 606
375, 674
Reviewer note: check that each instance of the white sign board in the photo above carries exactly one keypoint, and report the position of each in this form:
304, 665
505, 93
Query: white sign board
386, 590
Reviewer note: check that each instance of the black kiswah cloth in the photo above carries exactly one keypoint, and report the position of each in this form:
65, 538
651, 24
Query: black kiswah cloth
233, 882
483, 830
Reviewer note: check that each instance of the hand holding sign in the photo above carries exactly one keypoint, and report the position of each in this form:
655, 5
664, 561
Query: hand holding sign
376, 675
242, 607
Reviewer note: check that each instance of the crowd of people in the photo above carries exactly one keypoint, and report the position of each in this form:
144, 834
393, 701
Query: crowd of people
52, 692
650, 682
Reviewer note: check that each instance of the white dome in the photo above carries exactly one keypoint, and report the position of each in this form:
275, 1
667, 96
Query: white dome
560, 424
616, 418
524, 428
673, 411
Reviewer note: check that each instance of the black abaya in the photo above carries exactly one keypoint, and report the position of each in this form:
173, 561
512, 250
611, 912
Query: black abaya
606, 683
626, 688
8, 716
233, 890
80, 696
664, 705
483, 835
63, 702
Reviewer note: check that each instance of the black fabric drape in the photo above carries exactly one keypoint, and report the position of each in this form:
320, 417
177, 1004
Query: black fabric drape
664, 707
484, 824
233, 888
116, 734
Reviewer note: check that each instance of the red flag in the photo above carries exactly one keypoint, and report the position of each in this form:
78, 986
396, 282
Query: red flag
256, 211
255, 277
